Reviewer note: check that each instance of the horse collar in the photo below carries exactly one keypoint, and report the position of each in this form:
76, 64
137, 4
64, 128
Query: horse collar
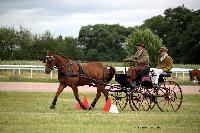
70, 72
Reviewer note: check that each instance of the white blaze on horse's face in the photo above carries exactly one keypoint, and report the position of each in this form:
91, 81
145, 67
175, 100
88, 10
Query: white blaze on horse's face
50, 63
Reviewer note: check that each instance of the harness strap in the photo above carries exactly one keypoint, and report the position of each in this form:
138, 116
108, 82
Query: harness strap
80, 73
80, 68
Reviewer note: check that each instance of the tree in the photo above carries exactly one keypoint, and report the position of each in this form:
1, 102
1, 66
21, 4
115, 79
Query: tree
9, 43
176, 20
152, 43
156, 24
179, 30
25, 43
106, 40
190, 41
69, 47
42, 43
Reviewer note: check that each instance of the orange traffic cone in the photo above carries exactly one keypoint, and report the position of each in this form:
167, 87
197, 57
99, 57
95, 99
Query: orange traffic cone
78, 106
107, 106
85, 102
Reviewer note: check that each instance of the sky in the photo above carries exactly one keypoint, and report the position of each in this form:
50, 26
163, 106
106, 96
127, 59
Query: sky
66, 17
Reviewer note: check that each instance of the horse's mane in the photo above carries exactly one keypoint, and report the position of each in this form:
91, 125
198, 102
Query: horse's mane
61, 56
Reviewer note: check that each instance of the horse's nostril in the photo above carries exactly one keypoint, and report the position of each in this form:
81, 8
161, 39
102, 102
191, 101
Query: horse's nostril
47, 70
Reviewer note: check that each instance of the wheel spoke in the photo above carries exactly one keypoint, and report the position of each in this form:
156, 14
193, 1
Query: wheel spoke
172, 94
162, 100
164, 104
141, 99
172, 106
119, 98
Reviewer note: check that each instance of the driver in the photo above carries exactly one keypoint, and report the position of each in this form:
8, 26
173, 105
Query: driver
141, 60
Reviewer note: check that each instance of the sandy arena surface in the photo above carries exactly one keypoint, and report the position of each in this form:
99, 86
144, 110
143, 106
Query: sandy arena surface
52, 87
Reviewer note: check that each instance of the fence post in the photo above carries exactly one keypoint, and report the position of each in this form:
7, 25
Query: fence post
51, 74
13, 72
183, 74
19, 71
31, 73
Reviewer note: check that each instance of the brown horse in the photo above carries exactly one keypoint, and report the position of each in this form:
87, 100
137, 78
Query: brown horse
72, 73
195, 74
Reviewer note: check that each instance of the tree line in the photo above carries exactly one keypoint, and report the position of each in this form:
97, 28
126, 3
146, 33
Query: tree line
178, 29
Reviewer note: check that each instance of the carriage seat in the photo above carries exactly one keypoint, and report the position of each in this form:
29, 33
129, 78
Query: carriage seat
162, 76
142, 73
166, 74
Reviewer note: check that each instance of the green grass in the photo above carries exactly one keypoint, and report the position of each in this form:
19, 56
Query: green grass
29, 112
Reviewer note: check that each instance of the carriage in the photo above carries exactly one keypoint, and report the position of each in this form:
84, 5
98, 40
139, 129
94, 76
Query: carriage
167, 96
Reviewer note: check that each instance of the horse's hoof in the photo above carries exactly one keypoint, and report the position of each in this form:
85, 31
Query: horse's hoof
84, 108
52, 107
91, 108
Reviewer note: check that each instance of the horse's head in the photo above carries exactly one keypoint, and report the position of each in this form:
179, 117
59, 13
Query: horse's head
192, 76
50, 62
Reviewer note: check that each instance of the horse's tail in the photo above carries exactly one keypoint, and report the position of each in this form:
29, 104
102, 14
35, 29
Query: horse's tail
112, 72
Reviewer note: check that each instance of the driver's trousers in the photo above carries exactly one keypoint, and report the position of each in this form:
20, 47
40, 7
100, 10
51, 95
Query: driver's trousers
133, 71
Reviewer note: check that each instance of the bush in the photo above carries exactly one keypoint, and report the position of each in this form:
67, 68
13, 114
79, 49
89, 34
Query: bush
152, 43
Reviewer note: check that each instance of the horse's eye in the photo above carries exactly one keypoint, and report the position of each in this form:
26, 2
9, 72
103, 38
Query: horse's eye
44, 61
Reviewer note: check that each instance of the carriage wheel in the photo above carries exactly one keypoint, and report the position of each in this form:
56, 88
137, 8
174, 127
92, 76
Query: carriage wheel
140, 99
119, 98
153, 93
169, 96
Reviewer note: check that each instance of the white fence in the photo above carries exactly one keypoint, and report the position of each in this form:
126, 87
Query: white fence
18, 68
31, 68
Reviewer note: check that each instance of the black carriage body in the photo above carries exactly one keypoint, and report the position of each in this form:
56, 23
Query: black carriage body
122, 80
142, 78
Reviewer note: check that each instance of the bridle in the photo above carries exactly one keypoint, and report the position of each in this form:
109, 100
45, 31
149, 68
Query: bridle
50, 59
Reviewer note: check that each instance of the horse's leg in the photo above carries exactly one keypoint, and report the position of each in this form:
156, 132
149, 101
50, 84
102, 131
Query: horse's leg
60, 89
100, 88
105, 92
98, 95
75, 90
